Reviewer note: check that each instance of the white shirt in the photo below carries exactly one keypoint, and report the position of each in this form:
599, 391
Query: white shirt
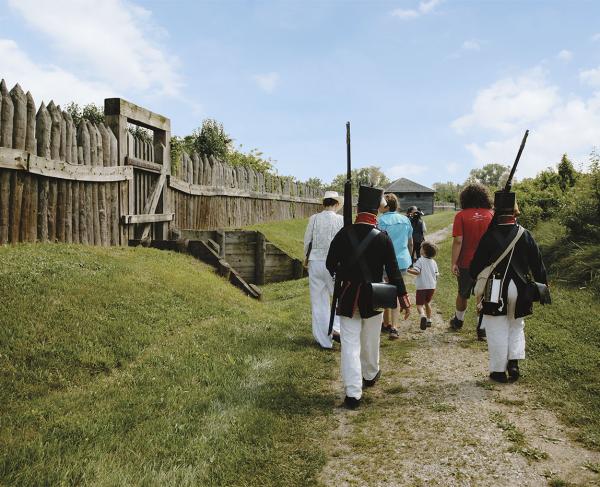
321, 229
427, 279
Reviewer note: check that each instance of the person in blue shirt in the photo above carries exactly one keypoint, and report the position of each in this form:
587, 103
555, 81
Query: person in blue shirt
400, 230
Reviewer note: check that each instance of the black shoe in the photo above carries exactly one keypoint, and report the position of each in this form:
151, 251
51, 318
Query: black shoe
386, 329
481, 335
429, 323
513, 370
394, 335
371, 382
423, 323
499, 377
351, 402
336, 337
456, 324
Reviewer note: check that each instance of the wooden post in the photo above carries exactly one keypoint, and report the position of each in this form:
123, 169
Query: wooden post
89, 213
103, 215
60, 210
43, 198
68, 218
52, 201
42, 131
19, 117
16, 205
4, 204
30, 142
83, 233
68, 137
33, 207
261, 254
63, 135
54, 130
6, 117
25, 207
75, 212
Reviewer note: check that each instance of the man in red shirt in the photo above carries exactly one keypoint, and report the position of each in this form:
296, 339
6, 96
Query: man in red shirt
469, 225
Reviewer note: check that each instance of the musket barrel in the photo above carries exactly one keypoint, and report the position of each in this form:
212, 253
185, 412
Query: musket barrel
514, 167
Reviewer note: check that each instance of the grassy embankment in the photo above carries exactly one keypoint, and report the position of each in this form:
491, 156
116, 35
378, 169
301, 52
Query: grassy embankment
140, 367
563, 344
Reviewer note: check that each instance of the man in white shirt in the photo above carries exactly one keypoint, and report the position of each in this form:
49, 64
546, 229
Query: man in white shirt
321, 229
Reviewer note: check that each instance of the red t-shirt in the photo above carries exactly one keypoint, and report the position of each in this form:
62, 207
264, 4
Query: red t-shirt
470, 224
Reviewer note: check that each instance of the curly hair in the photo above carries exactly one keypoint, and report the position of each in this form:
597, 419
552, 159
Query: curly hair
428, 249
475, 195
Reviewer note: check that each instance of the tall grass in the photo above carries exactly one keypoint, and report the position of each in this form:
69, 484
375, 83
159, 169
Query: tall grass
140, 367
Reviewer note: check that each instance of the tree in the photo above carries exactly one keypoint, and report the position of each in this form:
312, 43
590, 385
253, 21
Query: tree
211, 139
316, 183
253, 159
566, 173
90, 112
370, 176
447, 192
491, 175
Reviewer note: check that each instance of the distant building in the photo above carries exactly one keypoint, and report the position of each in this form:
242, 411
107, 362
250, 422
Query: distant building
410, 193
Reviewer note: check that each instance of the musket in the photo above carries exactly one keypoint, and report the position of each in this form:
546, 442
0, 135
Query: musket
508, 186
347, 221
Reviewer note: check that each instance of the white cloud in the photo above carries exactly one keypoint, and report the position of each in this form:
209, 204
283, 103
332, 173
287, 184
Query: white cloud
405, 171
590, 76
47, 82
423, 8
557, 125
267, 82
471, 45
510, 102
113, 40
565, 55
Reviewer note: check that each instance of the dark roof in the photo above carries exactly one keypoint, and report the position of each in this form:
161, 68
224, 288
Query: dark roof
404, 185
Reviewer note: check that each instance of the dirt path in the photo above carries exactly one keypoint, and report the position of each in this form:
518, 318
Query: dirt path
435, 419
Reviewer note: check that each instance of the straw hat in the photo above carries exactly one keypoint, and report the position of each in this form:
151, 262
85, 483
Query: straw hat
334, 196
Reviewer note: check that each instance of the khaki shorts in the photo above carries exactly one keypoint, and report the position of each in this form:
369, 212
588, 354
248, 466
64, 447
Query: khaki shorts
465, 283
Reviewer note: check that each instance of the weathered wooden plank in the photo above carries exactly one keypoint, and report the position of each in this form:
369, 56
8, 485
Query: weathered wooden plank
52, 201
103, 215
19, 117
96, 215
89, 212
75, 212
155, 218
33, 210
68, 219
30, 142
83, 220
143, 116
60, 210
55, 118
62, 170
114, 217
25, 207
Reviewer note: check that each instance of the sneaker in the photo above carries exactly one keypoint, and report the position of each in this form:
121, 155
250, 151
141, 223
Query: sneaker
456, 324
336, 337
498, 377
371, 382
513, 370
481, 335
423, 323
429, 323
351, 402
386, 328
394, 335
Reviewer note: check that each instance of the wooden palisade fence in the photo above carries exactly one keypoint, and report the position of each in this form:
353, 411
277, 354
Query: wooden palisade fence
99, 184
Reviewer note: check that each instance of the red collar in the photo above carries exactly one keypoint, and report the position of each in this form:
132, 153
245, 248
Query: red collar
506, 220
367, 218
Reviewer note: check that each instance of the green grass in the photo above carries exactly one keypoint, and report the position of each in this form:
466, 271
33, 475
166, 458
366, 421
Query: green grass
141, 367
288, 235
440, 220
563, 345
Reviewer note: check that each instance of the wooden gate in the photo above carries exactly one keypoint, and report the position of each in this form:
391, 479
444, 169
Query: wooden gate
148, 214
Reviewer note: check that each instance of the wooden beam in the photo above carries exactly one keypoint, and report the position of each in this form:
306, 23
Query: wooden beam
144, 165
155, 218
197, 190
152, 202
135, 113
260, 256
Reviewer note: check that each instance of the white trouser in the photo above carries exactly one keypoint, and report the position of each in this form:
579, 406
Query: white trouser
505, 334
320, 284
360, 351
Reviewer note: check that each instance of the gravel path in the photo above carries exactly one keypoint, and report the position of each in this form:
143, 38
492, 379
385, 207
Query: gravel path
435, 419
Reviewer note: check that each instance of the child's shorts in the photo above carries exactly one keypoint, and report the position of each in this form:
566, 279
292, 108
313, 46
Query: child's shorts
424, 296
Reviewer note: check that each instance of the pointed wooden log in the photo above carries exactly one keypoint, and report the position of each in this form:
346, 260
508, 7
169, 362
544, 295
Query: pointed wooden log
30, 140
114, 148
6, 117
25, 208
55, 118
16, 204
33, 210
75, 212
4, 204
105, 145
74, 148
99, 147
52, 202
83, 141
60, 210
196, 164
89, 213
68, 238
43, 125
83, 233
19, 117
68, 128
63, 135
43, 198
103, 215
93, 144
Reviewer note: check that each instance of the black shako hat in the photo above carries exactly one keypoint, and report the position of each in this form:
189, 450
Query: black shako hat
504, 202
369, 198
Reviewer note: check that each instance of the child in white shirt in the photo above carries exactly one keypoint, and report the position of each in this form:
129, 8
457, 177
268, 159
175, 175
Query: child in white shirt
426, 270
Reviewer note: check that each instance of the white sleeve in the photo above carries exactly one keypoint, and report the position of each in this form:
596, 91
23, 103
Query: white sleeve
418, 264
308, 234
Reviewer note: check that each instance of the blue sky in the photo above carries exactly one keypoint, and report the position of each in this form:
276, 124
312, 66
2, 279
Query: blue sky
433, 88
